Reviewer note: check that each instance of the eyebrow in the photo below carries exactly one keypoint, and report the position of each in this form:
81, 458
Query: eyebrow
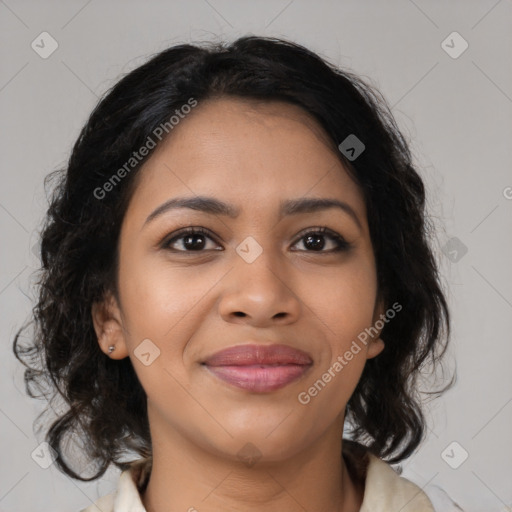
214, 206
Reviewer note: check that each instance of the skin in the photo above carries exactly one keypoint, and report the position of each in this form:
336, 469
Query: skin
192, 304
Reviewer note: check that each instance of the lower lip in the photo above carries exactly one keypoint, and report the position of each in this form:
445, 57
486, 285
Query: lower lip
259, 378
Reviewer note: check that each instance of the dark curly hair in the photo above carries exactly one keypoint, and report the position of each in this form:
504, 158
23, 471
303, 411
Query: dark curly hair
103, 398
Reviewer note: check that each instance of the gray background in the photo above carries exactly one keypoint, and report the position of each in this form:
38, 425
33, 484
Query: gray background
456, 111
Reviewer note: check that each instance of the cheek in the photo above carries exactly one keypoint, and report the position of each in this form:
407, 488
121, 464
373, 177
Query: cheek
158, 298
345, 301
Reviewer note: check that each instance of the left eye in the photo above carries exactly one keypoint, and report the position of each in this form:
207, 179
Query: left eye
313, 239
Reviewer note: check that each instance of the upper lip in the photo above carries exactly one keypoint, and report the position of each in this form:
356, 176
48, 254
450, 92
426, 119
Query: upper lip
250, 354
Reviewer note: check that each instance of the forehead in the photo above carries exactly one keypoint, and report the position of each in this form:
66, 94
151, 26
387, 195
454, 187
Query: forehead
248, 125
248, 152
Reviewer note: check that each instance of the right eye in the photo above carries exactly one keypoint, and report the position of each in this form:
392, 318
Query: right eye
191, 239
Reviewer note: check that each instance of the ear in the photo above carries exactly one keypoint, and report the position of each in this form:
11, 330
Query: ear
108, 325
376, 345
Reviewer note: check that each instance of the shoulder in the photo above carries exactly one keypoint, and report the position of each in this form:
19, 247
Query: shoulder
103, 504
127, 494
384, 488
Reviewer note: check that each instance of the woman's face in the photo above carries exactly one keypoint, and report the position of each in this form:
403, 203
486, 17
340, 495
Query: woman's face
260, 277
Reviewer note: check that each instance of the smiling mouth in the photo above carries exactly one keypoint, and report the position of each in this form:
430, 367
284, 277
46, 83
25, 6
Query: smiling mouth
259, 368
259, 378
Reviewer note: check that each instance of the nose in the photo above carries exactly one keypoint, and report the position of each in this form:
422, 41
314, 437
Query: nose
259, 293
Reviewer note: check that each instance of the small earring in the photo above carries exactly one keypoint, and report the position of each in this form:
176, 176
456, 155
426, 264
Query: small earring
111, 349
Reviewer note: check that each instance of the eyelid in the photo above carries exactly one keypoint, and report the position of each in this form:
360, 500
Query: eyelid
317, 229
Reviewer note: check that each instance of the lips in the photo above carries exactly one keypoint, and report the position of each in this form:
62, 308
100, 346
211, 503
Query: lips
259, 368
259, 354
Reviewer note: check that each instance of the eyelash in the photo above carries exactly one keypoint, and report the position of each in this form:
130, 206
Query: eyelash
342, 244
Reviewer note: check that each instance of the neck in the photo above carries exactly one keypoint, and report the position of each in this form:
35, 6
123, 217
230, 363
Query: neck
189, 478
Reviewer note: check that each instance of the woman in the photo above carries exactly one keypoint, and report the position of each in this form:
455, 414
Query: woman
236, 269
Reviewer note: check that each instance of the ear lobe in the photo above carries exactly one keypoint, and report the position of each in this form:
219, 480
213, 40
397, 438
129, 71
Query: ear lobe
375, 347
108, 326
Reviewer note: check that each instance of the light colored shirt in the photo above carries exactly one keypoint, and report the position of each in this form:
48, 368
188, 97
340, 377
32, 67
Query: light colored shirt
385, 491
